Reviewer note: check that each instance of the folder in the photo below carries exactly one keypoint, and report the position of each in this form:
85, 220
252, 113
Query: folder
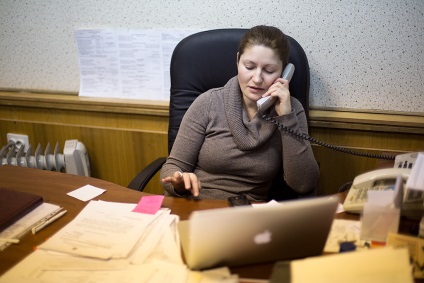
14, 205
380, 265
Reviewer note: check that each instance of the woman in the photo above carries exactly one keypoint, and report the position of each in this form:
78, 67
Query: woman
224, 148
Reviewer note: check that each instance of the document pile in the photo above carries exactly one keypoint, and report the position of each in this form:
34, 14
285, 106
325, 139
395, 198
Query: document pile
107, 242
22, 226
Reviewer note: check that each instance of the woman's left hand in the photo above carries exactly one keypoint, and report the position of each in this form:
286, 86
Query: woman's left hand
280, 90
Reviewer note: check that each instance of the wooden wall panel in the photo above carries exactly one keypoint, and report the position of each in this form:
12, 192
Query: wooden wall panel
372, 133
122, 137
115, 155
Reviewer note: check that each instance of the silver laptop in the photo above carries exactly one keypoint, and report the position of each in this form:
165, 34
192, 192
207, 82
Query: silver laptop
243, 235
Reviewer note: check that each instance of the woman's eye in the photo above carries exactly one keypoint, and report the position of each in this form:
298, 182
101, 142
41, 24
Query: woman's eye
249, 67
269, 71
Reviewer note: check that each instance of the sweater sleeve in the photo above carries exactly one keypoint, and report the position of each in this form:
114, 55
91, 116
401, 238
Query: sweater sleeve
300, 168
189, 140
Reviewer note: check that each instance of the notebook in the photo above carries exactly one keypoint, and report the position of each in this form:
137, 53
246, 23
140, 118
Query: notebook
14, 205
244, 235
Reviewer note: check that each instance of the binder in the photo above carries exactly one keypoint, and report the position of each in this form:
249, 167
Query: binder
14, 205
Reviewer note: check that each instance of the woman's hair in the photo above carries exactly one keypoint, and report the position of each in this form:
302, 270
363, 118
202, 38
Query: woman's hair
267, 36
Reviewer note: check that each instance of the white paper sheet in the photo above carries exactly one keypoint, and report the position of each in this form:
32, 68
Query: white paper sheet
131, 64
100, 231
86, 192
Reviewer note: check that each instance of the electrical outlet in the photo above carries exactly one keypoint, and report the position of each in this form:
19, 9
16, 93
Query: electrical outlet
19, 140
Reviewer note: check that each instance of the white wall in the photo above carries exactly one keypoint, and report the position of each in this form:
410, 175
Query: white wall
363, 54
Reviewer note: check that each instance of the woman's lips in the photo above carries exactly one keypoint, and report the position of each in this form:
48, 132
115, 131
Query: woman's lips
255, 90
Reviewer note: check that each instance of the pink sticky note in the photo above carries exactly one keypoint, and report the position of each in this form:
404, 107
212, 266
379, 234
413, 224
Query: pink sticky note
149, 204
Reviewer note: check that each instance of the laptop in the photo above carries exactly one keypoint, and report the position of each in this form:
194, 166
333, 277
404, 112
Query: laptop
246, 234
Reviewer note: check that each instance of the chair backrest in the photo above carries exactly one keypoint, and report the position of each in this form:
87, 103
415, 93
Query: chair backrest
208, 60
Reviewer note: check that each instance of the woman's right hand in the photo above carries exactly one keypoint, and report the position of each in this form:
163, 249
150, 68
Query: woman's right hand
184, 182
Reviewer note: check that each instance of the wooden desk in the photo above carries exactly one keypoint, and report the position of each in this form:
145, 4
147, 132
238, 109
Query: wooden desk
53, 186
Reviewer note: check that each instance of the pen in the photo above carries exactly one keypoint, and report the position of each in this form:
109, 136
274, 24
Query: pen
8, 240
48, 222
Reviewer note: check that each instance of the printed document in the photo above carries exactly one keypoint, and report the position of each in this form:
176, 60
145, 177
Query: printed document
100, 231
130, 64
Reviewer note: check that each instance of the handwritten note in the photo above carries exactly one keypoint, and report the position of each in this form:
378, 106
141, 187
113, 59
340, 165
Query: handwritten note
344, 231
149, 204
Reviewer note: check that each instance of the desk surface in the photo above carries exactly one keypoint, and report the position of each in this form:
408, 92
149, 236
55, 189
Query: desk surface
53, 186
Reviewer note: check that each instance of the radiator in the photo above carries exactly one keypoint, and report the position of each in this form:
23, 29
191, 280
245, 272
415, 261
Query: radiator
73, 160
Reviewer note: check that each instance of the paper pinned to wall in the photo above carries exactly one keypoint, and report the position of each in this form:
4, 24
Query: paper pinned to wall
128, 64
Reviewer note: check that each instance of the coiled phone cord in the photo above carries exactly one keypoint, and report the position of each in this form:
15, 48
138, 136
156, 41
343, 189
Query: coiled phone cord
330, 146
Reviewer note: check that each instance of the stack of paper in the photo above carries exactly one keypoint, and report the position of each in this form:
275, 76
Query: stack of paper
102, 230
24, 224
108, 242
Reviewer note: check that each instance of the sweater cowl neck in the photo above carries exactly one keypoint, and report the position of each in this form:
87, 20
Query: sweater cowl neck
247, 134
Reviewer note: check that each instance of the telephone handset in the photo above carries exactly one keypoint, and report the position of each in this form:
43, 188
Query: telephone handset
265, 102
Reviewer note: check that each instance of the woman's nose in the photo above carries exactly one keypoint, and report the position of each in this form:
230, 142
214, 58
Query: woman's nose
257, 77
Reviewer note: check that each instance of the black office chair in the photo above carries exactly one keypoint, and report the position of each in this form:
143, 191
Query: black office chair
207, 60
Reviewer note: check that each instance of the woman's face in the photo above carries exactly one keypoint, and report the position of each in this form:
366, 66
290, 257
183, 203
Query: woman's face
258, 68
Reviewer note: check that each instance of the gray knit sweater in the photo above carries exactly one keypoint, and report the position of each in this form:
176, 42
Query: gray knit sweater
232, 155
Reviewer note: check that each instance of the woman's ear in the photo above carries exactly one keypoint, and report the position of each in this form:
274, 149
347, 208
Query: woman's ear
238, 58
